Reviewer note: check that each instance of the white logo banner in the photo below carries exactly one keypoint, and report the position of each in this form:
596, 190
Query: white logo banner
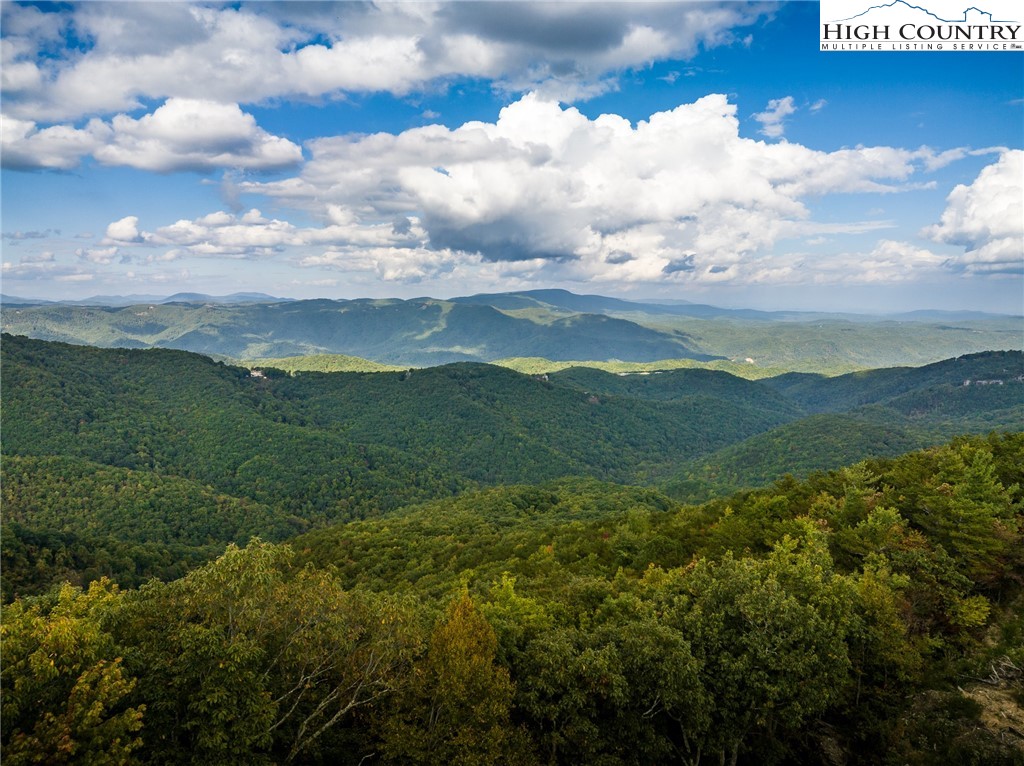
925, 25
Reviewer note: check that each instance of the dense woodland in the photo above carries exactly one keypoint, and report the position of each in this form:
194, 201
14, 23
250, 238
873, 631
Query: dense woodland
202, 566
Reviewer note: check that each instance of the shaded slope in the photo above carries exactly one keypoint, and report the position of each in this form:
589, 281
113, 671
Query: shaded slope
77, 496
493, 424
318, 447
185, 415
815, 443
816, 393
876, 413
676, 385
335, 445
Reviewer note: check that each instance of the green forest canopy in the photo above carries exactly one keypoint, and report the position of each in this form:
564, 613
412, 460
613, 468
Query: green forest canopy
202, 566
575, 622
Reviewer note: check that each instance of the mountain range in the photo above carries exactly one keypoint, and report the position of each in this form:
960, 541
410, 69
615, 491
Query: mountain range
320, 446
133, 300
549, 324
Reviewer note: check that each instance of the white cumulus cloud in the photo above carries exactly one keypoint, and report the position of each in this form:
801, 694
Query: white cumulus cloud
24, 145
126, 53
123, 231
100, 255
986, 218
411, 265
681, 195
191, 134
772, 119
182, 134
42, 266
251, 235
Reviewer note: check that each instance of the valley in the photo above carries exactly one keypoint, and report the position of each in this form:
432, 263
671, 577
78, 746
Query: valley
274, 454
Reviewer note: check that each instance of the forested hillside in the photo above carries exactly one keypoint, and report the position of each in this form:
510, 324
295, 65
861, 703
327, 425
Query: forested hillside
872, 615
875, 412
267, 436
204, 564
111, 453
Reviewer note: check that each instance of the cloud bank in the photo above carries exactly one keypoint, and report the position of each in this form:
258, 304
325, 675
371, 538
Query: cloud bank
183, 134
681, 196
102, 58
541, 193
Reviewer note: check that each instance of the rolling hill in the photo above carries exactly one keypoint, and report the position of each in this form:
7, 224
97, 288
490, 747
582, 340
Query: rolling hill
870, 413
311, 448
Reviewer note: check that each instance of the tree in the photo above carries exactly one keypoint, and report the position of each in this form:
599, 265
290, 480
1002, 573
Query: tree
248, 659
64, 688
970, 512
455, 707
769, 637
611, 684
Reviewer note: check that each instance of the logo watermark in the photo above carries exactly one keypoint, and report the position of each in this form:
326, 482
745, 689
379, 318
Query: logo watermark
925, 25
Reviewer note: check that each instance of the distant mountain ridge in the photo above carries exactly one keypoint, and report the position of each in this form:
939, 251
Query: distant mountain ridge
523, 299
567, 301
418, 332
548, 324
134, 300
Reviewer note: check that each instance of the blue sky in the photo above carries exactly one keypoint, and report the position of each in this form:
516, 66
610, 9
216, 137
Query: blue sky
698, 151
